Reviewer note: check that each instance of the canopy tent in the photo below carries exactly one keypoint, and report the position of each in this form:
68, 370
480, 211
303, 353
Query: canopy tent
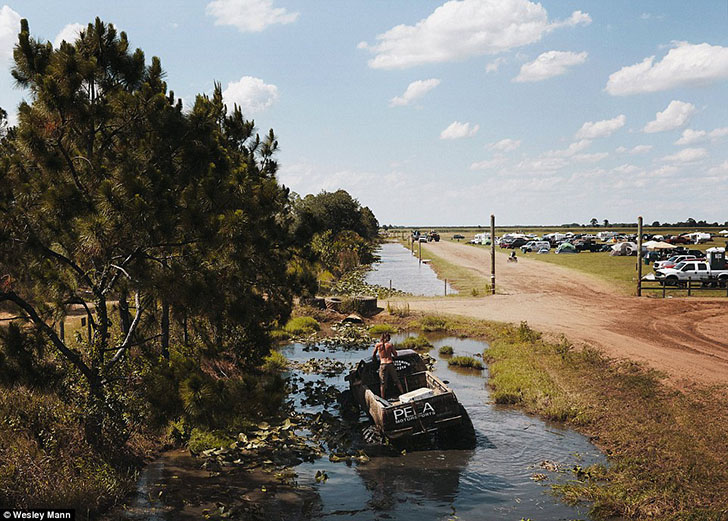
659, 246
723, 232
623, 249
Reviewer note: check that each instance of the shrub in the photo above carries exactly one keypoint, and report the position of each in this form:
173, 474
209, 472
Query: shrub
278, 335
433, 323
302, 326
379, 329
398, 310
275, 362
469, 362
201, 439
446, 350
418, 343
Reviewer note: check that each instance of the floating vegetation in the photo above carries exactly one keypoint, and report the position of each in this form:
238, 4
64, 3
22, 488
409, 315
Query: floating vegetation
323, 366
353, 284
468, 362
379, 329
418, 343
445, 350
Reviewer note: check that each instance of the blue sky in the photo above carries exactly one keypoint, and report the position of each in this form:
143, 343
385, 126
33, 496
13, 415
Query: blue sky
442, 113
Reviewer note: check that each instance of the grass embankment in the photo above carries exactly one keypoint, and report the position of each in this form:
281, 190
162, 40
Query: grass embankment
619, 271
667, 448
466, 281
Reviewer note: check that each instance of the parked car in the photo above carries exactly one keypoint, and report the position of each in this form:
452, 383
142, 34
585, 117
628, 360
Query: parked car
535, 246
678, 239
428, 406
691, 270
673, 261
543, 251
514, 243
458, 237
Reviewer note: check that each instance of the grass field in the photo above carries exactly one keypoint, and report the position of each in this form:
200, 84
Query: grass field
619, 271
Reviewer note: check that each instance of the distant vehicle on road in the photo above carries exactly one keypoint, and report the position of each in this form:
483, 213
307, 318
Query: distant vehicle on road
535, 246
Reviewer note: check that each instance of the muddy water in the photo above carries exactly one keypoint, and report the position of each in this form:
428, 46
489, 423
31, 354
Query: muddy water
406, 273
493, 481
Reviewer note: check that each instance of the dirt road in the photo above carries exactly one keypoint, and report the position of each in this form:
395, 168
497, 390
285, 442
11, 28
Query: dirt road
685, 338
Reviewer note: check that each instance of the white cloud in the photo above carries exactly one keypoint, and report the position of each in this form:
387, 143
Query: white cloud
687, 155
251, 94
489, 163
249, 16
572, 149
637, 149
9, 29
414, 90
495, 64
505, 145
590, 158
549, 64
717, 133
457, 130
690, 137
460, 29
69, 33
603, 128
719, 169
684, 65
676, 115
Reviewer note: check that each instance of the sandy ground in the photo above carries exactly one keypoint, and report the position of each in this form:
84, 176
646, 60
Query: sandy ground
687, 338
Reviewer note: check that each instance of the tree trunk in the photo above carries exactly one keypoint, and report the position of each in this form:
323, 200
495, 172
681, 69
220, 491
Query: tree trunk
165, 329
124, 316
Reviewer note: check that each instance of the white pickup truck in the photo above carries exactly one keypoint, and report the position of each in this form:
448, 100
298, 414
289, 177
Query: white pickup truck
692, 270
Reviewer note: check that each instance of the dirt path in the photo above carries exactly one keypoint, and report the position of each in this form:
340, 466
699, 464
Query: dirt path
685, 338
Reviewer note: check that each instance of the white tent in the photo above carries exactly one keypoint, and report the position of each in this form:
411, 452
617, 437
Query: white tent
623, 249
723, 232
660, 246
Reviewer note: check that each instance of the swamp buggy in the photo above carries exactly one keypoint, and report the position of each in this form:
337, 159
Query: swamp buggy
428, 409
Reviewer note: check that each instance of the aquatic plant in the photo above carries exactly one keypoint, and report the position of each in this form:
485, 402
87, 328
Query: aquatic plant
446, 350
433, 323
418, 343
378, 329
469, 362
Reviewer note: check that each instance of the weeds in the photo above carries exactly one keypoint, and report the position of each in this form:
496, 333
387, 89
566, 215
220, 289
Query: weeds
468, 362
418, 343
431, 323
398, 310
379, 329
446, 350
275, 362
302, 326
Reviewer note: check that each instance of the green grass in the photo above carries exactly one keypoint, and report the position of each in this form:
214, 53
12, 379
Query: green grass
465, 280
468, 362
445, 350
619, 271
380, 329
418, 343
302, 326
431, 323
275, 362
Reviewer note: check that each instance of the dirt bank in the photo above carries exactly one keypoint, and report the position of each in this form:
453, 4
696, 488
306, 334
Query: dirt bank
685, 338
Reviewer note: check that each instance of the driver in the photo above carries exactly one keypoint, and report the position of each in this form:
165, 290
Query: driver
387, 354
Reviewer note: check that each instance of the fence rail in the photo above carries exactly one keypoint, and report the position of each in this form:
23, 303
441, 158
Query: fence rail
691, 286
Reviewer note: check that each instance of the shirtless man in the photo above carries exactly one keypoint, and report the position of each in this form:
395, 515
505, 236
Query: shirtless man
387, 354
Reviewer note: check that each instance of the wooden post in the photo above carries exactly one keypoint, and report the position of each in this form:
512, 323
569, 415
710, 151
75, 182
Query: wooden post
62, 329
390, 284
639, 256
420, 243
446, 287
492, 254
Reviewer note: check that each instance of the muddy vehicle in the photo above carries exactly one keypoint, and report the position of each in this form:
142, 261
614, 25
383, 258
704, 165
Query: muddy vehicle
428, 409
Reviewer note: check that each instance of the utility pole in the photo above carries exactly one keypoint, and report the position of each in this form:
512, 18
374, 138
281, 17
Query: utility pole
639, 256
492, 254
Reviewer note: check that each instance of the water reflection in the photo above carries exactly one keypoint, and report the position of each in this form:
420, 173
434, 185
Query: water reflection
406, 273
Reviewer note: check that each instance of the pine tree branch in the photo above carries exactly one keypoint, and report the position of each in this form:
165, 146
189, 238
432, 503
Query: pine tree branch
127, 341
70, 354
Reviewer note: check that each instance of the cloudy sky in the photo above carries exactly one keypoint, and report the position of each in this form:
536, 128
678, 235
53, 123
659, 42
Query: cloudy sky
442, 113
